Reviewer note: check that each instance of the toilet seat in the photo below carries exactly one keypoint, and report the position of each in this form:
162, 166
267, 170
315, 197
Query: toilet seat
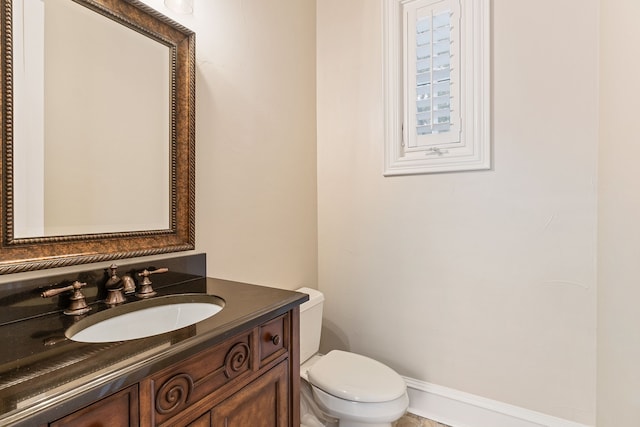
356, 378
367, 412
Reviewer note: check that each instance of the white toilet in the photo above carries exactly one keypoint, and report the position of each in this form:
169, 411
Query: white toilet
354, 389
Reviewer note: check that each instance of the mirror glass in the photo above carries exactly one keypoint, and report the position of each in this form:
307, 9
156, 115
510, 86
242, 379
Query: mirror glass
98, 133
91, 123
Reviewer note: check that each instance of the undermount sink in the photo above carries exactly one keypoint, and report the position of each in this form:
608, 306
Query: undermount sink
145, 318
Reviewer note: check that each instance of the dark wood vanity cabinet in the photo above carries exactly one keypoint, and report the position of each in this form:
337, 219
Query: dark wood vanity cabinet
262, 403
250, 379
118, 410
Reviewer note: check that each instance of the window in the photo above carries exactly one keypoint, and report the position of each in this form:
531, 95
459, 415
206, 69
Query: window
437, 86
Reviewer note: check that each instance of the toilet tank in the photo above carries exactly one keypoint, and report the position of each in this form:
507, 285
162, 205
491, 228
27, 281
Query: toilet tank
310, 323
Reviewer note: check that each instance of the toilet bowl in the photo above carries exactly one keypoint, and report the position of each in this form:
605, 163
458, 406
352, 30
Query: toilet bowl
353, 389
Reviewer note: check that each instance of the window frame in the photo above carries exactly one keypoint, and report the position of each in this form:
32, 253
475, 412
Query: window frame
472, 151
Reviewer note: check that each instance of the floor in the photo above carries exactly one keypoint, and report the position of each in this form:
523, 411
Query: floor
410, 420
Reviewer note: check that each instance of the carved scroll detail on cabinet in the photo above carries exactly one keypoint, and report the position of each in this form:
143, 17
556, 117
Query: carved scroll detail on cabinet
236, 360
174, 393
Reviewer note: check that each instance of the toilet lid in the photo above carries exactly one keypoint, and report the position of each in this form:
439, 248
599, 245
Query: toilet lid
356, 378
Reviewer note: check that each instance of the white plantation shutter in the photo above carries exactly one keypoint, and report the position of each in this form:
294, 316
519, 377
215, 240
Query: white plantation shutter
437, 86
431, 70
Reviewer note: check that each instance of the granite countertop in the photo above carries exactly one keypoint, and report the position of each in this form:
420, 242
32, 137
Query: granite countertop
41, 370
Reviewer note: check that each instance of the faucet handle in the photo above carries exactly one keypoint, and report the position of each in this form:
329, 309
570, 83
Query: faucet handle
78, 305
146, 290
147, 273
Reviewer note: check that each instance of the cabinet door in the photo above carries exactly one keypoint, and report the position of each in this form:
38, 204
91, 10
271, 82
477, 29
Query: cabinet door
262, 403
118, 410
203, 421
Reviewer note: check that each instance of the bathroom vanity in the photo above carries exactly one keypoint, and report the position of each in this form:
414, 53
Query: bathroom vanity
239, 367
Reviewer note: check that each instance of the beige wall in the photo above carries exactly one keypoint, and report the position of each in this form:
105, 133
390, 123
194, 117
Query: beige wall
619, 211
483, 281
256, 139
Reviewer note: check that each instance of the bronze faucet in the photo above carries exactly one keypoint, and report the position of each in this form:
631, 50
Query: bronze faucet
114, 287
78, 305
129, 285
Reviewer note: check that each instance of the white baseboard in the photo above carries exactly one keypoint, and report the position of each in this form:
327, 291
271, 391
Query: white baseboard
459, 409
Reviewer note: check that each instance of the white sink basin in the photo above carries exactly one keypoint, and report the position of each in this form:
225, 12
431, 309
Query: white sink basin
145, 318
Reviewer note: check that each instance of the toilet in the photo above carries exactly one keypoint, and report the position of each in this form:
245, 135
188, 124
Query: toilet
346, 389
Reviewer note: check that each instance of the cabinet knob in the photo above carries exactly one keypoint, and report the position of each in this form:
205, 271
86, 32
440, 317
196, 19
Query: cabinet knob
275, 339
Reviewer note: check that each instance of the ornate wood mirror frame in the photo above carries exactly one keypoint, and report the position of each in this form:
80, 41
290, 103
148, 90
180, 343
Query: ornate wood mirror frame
26, 254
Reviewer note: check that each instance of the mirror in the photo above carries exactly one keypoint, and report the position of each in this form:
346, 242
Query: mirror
68, 174
98, 133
